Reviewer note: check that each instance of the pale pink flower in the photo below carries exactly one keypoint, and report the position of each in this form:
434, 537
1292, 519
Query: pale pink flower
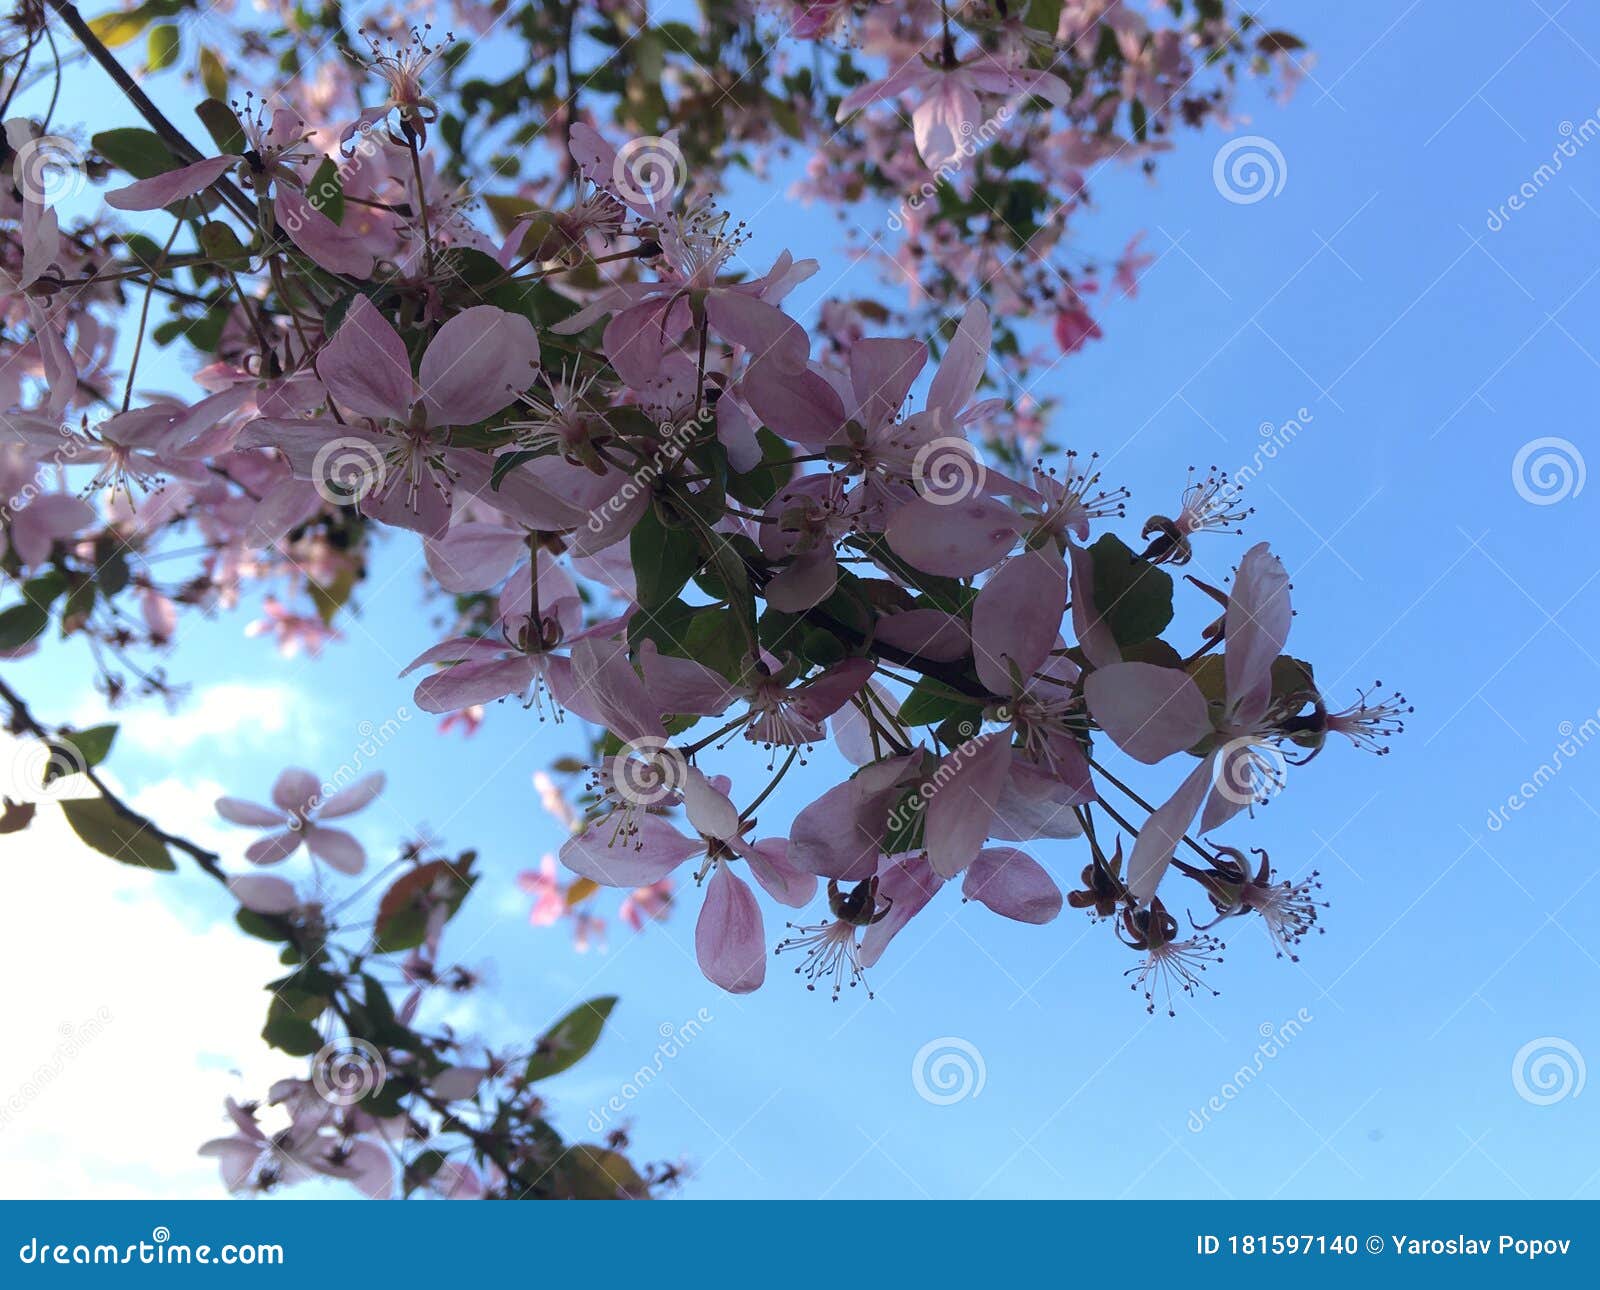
298, 807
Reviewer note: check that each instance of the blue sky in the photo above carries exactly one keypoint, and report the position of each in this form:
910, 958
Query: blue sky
1428, 349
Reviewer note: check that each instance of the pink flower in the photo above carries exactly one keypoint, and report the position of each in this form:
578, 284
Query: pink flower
272, 154
651, 902
296, 795
1152, 712
549, 901
293, 631
474, 367
1074, 328
949, 114
729, 938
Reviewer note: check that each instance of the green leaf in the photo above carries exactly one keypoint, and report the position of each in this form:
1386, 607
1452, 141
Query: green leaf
106, 829
288, 1029
140, 152
930, 703
1134, 597
326, 191
113, 29
221, 243
264, 927
43, 590
570, 1039
213, 75
222, 125
589, 1172
21, 624
403, 911
760, 484
79, 750
163, 47
663, 559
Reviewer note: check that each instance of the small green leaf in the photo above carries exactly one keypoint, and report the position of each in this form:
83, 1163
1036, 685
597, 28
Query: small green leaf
222, 125
291, 1033
102, 826
78, 751
663, 559
930, 703
570, 1039
1133, 596
221, 243
113, 29
326, 191
21, 624
140, 152
213, 74
589, 1172
163, 47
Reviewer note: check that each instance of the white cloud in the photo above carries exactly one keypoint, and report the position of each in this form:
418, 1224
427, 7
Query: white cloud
227, 710
124, 1016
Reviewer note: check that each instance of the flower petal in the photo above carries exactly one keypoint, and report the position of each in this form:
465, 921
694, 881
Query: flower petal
1149, 712
614, 860
365, 365
959, 814
477, 364
1013, 884
956, 540
729, 939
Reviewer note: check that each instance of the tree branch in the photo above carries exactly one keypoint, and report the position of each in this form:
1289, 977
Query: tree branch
23, 720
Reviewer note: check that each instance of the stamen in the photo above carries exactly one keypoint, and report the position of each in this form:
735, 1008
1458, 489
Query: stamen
1370, 720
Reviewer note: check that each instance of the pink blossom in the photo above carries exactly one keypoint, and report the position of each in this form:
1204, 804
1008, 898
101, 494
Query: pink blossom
297, 811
